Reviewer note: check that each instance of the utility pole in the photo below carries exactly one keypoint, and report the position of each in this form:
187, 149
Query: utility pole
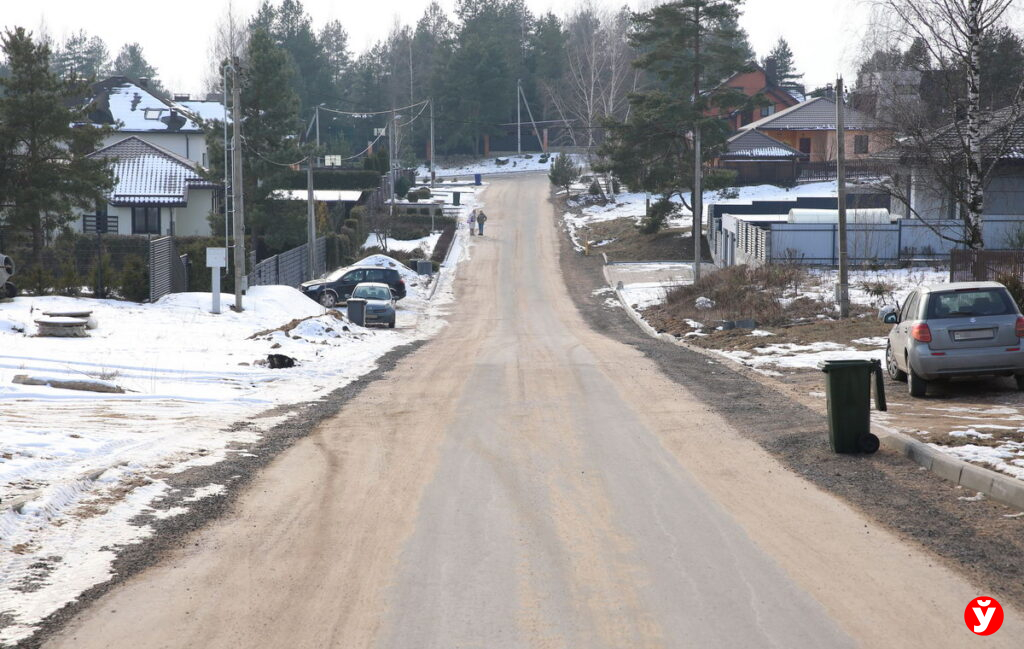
236, 185
310, 217
391, 158
844, 278
697, 198
519, 119
431, 146
317, 128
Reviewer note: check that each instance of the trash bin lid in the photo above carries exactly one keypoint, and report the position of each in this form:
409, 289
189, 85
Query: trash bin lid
356, 300
825, 366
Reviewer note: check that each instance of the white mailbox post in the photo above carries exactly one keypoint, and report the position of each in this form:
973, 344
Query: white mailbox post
216, 258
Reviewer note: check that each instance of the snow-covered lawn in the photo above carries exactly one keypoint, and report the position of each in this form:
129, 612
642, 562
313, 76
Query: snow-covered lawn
78, 466
489, 165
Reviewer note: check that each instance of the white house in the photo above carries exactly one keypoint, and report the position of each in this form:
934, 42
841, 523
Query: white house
157, 192
133, 109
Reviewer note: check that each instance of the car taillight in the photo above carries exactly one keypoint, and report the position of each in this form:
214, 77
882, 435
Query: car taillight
1019, 329
921, 333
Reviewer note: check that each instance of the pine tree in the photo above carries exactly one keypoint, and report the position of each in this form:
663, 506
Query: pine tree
81, 57
654, 150
42, 149
130, 62
781, 60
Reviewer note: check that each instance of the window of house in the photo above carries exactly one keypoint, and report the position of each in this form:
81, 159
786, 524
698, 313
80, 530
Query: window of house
145, 220
152, 113
768, 110
860, 143
805, 145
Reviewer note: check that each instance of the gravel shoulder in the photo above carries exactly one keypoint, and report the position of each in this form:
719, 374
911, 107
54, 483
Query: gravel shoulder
977, 538
235, 473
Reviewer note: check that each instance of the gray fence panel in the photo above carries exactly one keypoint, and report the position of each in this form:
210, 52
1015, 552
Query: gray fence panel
161, 276
290, 268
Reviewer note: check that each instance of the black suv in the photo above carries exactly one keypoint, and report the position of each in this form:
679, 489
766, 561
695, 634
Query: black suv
337, 287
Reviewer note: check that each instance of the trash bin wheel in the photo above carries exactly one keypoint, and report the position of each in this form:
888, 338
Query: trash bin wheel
868, 443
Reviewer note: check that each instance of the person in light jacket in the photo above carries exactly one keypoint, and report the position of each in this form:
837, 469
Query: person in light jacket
472, 222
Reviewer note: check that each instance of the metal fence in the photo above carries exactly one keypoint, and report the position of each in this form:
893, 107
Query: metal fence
969, 265
168, 271
290, 268
825, 171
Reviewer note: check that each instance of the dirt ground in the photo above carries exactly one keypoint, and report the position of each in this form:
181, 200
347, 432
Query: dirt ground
980, 538
626, 243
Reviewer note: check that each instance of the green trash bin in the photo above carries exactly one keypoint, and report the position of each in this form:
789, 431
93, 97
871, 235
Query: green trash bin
456, 197
848, 389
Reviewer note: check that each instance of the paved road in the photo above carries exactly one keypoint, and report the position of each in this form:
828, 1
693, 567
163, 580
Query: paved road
521, 482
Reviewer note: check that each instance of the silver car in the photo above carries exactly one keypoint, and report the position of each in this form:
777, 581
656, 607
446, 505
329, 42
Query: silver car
380, 303
958, 329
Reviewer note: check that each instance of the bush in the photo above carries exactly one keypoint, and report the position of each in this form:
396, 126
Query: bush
402, 186
104, 277
1014, 285
35, 278
564, 172
134, 284
595, 188
656, 216
69, 282
424, 192
412, 197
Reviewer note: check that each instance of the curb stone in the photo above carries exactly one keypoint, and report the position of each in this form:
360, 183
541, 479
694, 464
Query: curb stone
995, 485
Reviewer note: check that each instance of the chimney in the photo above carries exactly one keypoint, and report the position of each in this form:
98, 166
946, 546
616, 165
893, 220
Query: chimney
144, 82
771, 72
182, 96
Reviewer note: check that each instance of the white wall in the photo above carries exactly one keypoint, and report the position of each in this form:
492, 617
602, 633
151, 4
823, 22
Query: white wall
191, 220
187, 145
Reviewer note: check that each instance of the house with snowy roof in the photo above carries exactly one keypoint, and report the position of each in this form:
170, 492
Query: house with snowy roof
810, 128
156, 192
132, 108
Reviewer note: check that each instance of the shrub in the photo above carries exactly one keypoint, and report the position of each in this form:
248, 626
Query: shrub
595, 188
564, 172
424, 192
402, 186
134, 281
103, 277
351, 224
1014, 285
656, 216
412, 197
69, 282
35, 278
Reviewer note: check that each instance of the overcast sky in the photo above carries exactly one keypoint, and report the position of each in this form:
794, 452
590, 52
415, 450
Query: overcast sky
825, 35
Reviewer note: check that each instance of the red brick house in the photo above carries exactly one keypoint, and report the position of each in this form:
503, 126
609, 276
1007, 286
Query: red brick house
751, 83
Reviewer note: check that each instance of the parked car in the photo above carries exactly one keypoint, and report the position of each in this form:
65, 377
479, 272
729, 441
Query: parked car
338, 286
958, 329
380, 303
7, 288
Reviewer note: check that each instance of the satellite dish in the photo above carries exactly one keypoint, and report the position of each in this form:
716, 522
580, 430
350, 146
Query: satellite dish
174, 121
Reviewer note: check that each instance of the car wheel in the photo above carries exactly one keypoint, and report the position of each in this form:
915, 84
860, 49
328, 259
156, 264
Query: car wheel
328, 299
1019, 378
10, 290
391, 325
895, 373
868, 443
918, 386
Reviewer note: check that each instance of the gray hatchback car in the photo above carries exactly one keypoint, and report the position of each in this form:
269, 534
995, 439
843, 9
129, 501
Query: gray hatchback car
957, 329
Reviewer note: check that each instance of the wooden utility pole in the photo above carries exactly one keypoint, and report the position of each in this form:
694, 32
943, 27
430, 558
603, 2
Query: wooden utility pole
238, 212
519, 119
310, 217
431, 153
844, 277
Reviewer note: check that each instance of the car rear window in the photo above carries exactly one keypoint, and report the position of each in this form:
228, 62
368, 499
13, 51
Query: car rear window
970, 303
372, 293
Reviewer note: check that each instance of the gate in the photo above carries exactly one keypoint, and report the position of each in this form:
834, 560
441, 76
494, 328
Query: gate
168, 271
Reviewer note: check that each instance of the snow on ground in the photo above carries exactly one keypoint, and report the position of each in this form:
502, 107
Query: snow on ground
79, 466
792, 356
485, 166
426, 243
634, 204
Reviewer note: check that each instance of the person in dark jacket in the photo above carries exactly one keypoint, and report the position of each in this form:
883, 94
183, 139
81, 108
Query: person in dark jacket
481, 218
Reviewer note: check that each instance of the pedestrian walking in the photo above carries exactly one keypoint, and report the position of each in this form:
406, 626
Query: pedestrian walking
481, 218
472, 222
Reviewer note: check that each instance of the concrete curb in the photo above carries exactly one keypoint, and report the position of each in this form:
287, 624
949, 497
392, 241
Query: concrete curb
995, 485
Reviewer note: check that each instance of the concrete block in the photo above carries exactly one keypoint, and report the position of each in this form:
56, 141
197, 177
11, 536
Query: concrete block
1009, 491
945, 466
921, 454
976, 478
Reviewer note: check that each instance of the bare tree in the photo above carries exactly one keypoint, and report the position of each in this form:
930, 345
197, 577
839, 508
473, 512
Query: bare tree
960, 156
229, 40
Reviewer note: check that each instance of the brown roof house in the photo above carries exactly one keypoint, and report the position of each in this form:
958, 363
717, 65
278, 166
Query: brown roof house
753, 82
759, 159
809, 127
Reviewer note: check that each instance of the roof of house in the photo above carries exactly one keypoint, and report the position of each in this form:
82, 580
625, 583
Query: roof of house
205, 110
148, 174
134, 108
1002, 136
755, 145
818, 114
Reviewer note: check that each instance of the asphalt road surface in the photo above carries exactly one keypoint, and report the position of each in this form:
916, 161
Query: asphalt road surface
524, 482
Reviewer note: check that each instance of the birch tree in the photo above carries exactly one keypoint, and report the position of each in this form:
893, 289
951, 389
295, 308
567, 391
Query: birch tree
962, 155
